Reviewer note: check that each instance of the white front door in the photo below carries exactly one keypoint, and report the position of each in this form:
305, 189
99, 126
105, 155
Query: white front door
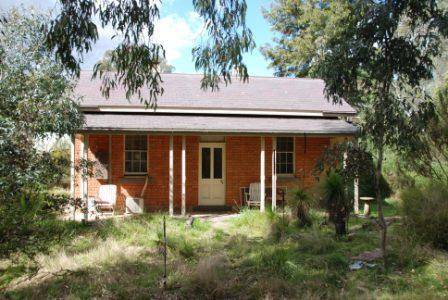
212, 179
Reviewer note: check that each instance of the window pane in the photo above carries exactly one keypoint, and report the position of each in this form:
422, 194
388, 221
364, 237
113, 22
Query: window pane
135, 166
217, 163
135, 155
289, 158
285, 144
282, 169
136, 147
127, 156
143, 156
205, 163
143, 166
136, 142
128, 141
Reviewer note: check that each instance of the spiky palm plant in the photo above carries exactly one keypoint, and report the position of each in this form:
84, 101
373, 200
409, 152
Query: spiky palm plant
300, 202
336, 201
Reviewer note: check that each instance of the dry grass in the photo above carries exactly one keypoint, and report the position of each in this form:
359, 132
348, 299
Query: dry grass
251, 256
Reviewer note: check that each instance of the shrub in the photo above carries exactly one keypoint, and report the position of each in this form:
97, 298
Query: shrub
29, 224
300, 202
367, 186
316, 242
336, 200
279, 228
425, 213
208, 275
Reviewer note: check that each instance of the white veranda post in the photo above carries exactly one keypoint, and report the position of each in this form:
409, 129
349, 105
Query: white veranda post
84, 175
356, 196
262, 174
184, 175
274, 173
171, 178
72, 173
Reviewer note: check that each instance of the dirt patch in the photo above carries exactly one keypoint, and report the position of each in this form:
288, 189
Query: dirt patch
217, 221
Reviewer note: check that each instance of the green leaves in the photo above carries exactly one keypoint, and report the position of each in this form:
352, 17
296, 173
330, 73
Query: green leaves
221, 53
35, 101
137, 58
372, 54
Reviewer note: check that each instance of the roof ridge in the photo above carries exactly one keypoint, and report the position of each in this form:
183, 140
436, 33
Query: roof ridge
250, 76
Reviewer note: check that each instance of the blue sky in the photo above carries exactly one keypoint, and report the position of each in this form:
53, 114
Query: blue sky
178, 29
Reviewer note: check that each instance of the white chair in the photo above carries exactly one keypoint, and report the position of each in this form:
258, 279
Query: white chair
253, 197
107, 198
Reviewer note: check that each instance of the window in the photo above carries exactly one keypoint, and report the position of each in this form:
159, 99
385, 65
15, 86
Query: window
217, 163
135, 154
206, 161
285, 155
211, 163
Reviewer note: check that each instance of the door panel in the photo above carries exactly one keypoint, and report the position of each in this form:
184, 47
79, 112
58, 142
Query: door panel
212, 186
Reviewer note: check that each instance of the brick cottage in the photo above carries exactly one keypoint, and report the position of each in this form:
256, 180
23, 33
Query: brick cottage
202, 148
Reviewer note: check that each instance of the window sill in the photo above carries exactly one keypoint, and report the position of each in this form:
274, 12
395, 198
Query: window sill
285, 175
135, 179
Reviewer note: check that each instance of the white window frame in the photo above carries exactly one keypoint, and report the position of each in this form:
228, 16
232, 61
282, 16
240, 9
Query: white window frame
124, 154
293, 156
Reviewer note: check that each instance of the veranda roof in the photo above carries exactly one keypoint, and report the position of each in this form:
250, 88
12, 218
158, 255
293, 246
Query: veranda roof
216, 124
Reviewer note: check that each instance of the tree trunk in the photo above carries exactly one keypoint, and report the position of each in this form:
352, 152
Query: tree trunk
379, 200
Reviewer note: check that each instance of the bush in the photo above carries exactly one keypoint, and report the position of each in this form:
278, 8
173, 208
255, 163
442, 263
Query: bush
300, 202
367, 187
29, 224
425, 213
336, 200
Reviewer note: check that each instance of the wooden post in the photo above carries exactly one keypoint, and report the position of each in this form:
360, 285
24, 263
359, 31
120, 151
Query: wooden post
85, 181
171, 178
262, 175
274, 173
184, 175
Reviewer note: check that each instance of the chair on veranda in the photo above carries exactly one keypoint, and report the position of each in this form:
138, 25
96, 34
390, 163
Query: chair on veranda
253, 197
107, 198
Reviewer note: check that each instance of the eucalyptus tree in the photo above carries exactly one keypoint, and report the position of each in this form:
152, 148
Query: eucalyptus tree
218, 52
105, 64
360, 50
36, 99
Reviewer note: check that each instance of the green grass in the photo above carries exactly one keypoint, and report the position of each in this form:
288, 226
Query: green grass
255, 256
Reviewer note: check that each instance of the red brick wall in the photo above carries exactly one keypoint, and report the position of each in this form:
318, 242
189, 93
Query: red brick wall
242, 159
243, 163
307, 153
156, 194
78, 155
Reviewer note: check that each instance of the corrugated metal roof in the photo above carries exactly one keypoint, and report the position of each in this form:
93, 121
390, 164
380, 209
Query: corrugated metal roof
260, 93
216, 124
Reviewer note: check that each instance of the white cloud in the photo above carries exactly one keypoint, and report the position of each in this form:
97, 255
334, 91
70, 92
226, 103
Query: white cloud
177, 34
